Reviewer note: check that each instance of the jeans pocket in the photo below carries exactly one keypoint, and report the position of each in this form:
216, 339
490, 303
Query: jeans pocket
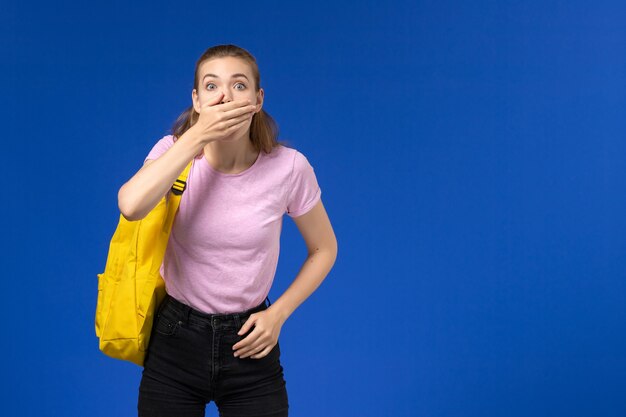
166, 323
272, 356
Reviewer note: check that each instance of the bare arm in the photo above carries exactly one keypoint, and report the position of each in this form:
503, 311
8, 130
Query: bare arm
139, 195
321, 244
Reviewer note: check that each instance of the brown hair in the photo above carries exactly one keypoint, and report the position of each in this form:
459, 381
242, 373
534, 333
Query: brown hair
263, 130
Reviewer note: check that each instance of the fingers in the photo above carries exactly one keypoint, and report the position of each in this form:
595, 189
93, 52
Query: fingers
226, 106
238, 111
221, 121
229, 131
263, 353
216, 100
257, 344
255, 352
237, 120
244, 346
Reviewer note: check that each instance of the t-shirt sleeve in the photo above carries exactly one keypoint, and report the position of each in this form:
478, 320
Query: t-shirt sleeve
160, 147
304, 191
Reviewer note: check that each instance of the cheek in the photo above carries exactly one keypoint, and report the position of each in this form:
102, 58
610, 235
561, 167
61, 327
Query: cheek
204, 97
247, 94
208, 95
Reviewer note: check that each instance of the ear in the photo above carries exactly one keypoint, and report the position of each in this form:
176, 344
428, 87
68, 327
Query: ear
194, 100
259, 100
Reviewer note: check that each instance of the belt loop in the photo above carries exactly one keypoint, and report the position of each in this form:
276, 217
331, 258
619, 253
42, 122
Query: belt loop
268, 300
186, 313
161, 306
237, 321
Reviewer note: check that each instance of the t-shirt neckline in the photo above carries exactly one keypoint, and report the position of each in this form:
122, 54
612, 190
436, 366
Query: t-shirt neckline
224, 174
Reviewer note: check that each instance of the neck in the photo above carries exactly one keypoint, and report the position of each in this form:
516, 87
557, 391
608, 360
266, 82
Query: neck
231, 156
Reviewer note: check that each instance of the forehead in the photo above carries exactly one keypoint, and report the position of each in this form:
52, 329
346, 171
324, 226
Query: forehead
225, 66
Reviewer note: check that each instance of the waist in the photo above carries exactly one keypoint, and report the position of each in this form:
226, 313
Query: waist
215, 320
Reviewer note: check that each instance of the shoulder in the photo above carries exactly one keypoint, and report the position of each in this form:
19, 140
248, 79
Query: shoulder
289, 155
160, 147
297, 164
168, 140
287, 163
165, 142
300, 162
283, 156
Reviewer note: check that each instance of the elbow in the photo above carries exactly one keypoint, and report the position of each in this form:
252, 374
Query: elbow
333, 247
331, 257
334, 250
130, 217
125, 208
329, 251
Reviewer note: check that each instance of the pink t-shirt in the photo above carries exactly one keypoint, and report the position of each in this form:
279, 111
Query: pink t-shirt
223, 250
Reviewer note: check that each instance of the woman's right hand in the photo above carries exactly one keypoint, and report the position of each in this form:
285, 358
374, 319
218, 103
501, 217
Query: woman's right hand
219, 121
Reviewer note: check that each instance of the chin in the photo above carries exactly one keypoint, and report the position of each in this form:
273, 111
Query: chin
232, 138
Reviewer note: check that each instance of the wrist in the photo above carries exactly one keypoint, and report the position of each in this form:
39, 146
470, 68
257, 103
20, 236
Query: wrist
194, 137
281, 313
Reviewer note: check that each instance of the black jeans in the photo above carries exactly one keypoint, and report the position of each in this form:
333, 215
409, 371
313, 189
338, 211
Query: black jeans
190, 362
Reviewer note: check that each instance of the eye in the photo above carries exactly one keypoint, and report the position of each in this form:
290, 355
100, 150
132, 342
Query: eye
242, 84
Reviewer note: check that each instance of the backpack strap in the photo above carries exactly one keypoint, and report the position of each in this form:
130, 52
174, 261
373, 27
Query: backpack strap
173, 201
180, 184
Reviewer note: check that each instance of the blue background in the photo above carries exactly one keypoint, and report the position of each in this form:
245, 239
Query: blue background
471, 157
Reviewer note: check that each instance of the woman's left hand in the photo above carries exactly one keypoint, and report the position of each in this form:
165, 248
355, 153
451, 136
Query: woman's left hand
263, 338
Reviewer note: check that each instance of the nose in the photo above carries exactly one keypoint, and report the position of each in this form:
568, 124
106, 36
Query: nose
227, 97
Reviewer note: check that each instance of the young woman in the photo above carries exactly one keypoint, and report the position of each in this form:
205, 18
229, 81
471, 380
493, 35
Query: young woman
214, 336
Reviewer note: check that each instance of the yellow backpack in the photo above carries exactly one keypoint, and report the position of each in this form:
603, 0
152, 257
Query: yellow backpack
131, 288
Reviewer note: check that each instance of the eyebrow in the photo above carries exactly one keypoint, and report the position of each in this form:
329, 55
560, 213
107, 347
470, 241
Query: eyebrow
233, 76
